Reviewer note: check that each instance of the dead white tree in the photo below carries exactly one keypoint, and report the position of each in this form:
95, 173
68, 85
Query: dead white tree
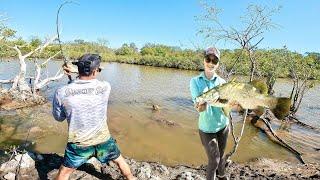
19, 82
38, 84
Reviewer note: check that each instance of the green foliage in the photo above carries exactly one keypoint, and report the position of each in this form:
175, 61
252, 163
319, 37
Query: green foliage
126, 49
35, 42
271, 63
156, 50
7, 32
303, 67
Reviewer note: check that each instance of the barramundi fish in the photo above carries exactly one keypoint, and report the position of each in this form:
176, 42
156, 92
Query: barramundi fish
247, 96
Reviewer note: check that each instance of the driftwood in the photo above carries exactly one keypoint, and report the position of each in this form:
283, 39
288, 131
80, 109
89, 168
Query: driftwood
263, 123
293, 118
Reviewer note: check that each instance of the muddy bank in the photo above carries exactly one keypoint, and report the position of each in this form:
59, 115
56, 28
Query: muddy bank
45, 166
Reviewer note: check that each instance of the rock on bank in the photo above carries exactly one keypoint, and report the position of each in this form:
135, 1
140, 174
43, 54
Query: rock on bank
30, 166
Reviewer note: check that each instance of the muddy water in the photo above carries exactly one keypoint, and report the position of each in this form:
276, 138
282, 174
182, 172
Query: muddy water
143, 133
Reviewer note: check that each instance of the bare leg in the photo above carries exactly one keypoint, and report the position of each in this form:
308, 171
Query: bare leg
64, 173
124, 167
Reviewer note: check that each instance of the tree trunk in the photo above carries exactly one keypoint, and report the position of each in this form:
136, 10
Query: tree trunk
22, 84
253, 65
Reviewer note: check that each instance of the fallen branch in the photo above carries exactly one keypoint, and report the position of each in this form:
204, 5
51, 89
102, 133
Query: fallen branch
282, 142
9, 81
296, 120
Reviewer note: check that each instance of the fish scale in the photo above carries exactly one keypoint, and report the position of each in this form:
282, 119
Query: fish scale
247, 96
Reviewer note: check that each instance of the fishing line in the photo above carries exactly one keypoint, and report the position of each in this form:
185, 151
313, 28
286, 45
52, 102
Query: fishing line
69, 77
58, 36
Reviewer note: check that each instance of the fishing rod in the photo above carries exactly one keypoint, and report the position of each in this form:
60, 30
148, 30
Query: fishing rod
58, 37
69, 77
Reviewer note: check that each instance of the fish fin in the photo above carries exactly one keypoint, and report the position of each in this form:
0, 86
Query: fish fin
219, 103
260, 85
282, 107
223, 101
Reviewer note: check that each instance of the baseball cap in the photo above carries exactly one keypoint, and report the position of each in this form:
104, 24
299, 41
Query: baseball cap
212, 51
87, 63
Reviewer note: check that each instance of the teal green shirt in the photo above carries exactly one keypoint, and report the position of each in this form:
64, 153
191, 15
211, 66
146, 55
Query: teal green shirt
212, 119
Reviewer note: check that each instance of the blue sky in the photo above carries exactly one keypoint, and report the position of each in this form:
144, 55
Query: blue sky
170, 22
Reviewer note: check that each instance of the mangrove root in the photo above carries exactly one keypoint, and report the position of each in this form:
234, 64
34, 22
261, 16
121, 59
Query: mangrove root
271, 134
226, 158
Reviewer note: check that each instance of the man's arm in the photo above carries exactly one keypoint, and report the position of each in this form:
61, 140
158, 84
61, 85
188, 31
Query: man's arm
57, 108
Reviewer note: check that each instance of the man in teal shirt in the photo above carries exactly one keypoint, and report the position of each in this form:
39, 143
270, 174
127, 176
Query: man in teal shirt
213, 124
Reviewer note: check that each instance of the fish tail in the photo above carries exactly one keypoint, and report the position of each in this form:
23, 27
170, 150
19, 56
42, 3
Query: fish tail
280, 107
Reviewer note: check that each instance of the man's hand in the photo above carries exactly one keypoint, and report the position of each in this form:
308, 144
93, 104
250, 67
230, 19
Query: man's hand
69, 69
200, 106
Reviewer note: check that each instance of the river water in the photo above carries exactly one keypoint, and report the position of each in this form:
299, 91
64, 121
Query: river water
141, 132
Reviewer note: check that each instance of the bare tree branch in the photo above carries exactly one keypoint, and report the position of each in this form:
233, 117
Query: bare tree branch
47, 80
38, 73
49, 59
41, 47
21, 83
6, 81
256, 21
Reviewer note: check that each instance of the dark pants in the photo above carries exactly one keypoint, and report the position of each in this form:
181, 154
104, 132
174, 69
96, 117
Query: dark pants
215, 144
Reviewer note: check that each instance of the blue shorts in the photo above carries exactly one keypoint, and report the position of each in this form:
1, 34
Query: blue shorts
76, 155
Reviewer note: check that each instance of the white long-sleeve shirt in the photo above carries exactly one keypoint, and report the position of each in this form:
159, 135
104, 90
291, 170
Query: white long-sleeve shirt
84, 104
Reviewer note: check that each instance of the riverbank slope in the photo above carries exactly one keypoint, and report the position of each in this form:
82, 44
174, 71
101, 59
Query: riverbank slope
45, 166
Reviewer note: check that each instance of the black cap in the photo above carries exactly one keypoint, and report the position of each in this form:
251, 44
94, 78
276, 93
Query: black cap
87, 63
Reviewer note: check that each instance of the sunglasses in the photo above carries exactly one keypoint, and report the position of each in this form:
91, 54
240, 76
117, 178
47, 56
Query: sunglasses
212, 59
99, 69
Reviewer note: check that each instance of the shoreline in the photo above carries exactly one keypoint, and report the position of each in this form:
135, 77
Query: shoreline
45, 166
124, 61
